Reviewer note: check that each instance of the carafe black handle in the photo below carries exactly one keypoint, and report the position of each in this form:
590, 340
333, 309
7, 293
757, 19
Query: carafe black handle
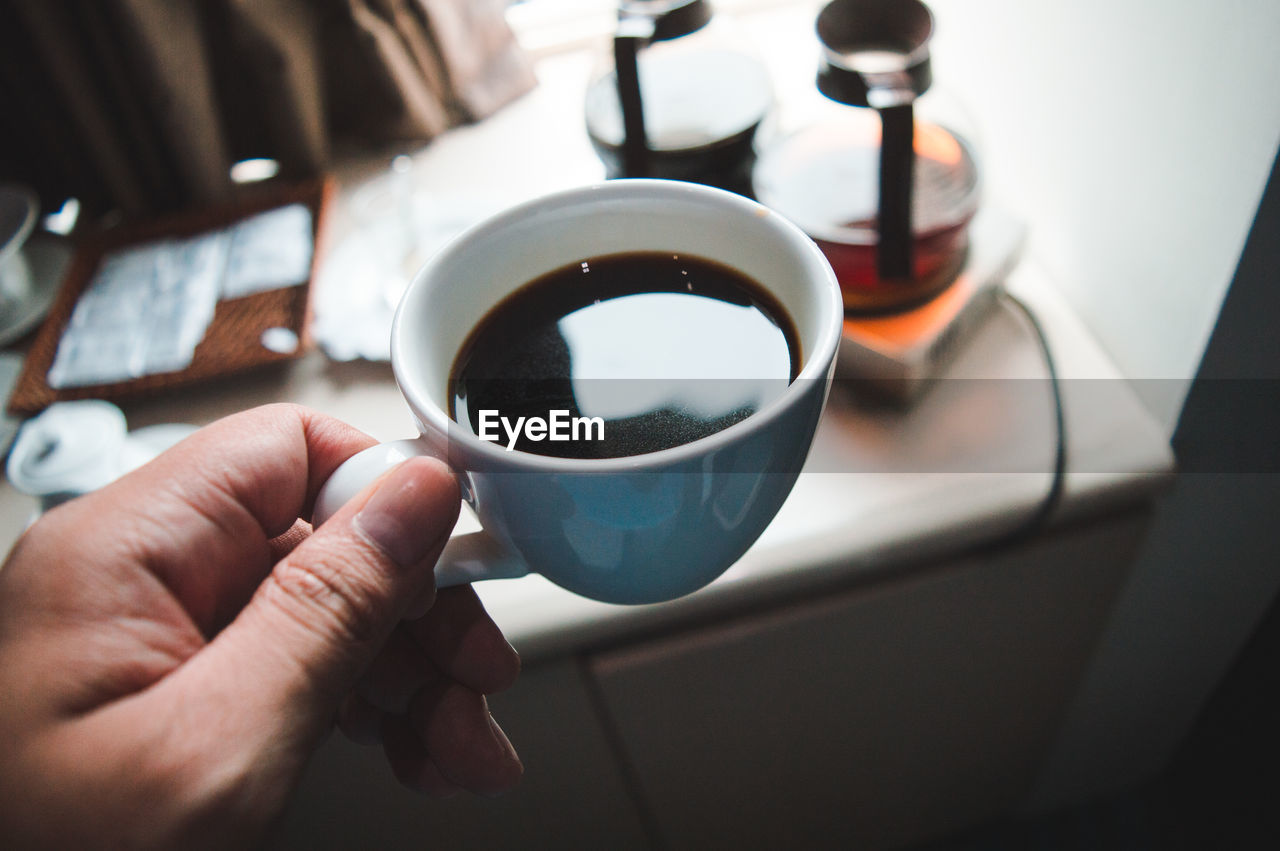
640, 23
899, 30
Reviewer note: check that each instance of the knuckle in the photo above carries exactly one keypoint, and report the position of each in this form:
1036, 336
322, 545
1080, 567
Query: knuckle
323, 592
285, 411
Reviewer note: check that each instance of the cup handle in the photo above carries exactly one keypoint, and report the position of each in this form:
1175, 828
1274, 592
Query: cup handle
466, 558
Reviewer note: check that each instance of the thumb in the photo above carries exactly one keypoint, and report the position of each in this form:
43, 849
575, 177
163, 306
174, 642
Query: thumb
325, 610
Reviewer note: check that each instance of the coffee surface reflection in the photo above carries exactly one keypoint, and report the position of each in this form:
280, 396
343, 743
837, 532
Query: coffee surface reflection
623, 355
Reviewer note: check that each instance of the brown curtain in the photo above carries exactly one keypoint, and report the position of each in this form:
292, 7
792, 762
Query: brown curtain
143, 105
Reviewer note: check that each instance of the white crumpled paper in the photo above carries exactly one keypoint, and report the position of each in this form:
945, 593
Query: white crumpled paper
360, 284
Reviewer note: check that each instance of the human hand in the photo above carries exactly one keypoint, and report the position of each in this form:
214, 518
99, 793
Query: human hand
175, 645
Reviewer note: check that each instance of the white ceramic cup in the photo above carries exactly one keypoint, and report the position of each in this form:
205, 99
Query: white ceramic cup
633, 529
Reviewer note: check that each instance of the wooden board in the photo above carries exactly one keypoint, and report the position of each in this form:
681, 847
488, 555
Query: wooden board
232, 343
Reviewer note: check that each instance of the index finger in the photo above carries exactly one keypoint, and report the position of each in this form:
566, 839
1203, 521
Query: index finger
270, 460
200, 516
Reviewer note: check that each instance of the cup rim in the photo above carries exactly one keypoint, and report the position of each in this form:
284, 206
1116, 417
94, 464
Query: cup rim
816, 366
22, 205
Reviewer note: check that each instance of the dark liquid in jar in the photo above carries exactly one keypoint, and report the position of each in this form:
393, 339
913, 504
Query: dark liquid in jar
827, 182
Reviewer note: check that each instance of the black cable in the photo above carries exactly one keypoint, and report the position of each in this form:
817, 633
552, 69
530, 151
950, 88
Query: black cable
1049, 504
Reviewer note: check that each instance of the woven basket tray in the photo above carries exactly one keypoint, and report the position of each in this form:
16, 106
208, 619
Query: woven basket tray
232, 342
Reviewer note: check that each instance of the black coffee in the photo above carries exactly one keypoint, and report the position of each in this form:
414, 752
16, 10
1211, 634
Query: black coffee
622, 355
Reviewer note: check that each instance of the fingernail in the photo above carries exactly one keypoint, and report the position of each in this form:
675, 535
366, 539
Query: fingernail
414, 506
509, 754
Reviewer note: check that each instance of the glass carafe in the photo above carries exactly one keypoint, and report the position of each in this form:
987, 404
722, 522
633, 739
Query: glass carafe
680, 96
881, 179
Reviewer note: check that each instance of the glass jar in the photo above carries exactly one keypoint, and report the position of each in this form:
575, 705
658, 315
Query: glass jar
825, 177
702, 94
880, 178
